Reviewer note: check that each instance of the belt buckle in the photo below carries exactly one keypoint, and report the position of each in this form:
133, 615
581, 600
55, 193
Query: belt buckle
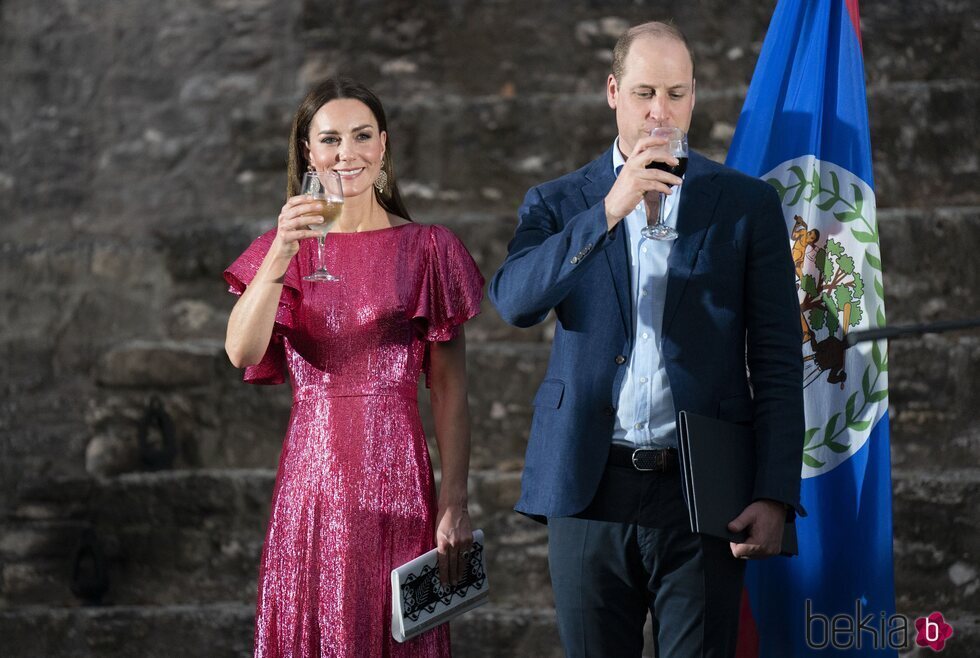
658, 460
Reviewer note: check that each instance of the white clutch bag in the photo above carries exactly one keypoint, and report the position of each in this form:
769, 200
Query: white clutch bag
418, 599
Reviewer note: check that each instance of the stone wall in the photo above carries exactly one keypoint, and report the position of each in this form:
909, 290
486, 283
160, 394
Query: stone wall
142, 146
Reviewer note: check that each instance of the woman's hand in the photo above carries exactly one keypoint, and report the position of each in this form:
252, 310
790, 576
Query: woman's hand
294, 219
251, 321
454, 539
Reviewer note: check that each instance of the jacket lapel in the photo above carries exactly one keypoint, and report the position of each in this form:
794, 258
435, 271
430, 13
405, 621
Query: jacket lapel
600, 178
695, 214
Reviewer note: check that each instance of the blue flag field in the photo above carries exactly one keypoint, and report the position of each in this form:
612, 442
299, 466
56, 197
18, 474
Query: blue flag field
804, 129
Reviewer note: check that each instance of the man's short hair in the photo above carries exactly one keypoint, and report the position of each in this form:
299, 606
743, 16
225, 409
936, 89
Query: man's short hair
651, 29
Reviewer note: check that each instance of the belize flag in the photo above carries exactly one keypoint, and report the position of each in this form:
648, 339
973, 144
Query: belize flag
804, 129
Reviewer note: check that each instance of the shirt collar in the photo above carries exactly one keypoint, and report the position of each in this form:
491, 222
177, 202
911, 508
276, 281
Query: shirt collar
618, 160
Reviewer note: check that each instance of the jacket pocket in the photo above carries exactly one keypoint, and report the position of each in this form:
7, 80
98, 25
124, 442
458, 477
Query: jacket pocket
736, 409
550, 394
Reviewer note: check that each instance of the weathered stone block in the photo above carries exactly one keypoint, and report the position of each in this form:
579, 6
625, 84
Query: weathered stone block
914, 125
37, 580
195, 318
933, 391
221, 630
937, 538
931, 272
181, 537
160, 363
491, 631
26, 540
500, 405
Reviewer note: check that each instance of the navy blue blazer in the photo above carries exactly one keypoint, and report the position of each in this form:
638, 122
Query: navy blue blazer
731, 329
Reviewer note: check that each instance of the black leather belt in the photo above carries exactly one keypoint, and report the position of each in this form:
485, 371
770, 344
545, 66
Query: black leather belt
643, 459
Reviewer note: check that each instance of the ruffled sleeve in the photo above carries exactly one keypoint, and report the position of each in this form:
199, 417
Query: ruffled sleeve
271, 369
451, 289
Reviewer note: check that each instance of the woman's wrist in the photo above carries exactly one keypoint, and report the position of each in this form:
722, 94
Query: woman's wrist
273, 269
453, 500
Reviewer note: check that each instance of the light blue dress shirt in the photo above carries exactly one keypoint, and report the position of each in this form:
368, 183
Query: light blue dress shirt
645, 415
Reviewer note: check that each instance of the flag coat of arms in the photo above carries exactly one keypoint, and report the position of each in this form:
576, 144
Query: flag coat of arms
804, 129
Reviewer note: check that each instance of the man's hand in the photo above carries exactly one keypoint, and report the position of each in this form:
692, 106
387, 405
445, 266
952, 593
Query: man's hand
635, 180
764, 520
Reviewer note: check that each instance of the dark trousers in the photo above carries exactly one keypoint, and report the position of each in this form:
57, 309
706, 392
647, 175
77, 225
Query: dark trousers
632, 551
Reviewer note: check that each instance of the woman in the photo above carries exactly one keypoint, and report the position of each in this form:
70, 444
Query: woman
354, 495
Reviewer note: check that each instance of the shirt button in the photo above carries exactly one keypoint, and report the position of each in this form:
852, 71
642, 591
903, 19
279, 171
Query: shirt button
643, 380
638, 426
645, 335
643, 293
620, 359
643, 249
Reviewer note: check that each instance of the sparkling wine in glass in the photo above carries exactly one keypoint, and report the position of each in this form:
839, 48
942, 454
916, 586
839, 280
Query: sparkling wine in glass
677, 147
323, 186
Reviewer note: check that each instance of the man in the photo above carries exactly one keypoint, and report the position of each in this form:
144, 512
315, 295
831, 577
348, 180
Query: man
645, 329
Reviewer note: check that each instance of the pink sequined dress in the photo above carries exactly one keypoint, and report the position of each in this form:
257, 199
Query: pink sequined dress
354, 495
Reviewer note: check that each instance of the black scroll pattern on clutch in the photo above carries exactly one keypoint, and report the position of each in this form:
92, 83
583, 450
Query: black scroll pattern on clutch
422, 592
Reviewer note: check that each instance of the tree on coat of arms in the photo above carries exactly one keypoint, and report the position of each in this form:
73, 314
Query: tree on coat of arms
831, 300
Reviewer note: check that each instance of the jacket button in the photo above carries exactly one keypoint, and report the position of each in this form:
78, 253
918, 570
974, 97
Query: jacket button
574, 260
609, 410
620, 359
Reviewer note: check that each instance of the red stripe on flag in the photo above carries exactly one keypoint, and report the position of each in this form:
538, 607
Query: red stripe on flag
852, 9
748, 634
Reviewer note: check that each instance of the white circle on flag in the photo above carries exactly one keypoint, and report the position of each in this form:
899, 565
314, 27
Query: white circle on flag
830, 214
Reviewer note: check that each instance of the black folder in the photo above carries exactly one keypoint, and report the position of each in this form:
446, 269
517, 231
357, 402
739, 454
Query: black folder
718, 466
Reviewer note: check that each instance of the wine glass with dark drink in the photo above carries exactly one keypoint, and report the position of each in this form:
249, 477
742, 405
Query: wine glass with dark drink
323, 186
677, 147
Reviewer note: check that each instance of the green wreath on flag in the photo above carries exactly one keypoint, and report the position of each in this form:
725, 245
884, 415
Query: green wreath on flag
831, 259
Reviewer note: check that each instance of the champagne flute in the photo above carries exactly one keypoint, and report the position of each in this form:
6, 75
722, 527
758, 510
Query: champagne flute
677, 147
323, 186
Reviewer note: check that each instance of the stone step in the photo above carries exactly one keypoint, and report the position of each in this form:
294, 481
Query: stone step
223, 629
168, 537
196, 536
495, 630
217, 630
937, 539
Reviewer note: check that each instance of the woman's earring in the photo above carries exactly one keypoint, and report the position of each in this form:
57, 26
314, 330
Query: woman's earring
310, 168
381, 182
